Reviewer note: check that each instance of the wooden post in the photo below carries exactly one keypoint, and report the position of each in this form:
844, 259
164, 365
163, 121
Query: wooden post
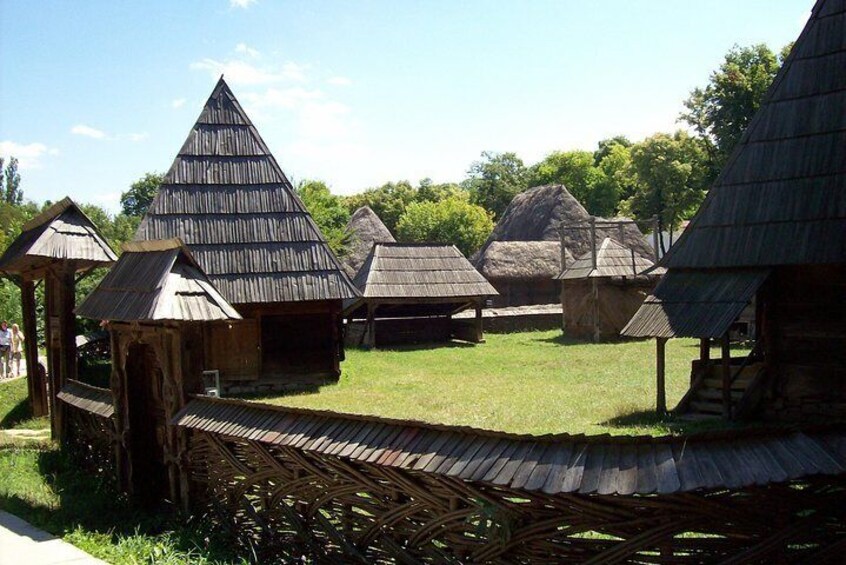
561, 292
661, 394
705, 350
726, 366
67, 340
479, 335
37, 398
593, 285
370, 326
51, 331
655, 238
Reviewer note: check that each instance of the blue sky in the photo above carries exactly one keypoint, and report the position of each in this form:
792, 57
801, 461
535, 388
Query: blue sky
95, 93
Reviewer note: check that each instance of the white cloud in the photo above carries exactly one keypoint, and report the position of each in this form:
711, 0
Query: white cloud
136, 136
88, 131
247, 50
109, 200
28, 155
242, 73
339, 81
241, 3
178, 103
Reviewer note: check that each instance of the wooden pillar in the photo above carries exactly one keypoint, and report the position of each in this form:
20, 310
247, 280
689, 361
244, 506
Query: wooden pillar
120, 417
705, 350
655, 238
660, 359
65, 286
370, 326
726, 371
478, 325
51, 331
594, 293
37, 396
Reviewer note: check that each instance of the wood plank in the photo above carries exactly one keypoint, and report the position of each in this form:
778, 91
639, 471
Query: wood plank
528, 466
488, 461
668, 476
610, 473
473, 459
593, 468
560, 463
509, 449
647, 473
627, 479
575, 469
541, 471
507, 472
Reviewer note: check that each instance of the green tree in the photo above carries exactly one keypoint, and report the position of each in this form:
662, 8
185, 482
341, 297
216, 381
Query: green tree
389, 201
136, 200
672, 175
10, 182
605, 146
586, 182
451, 220
429, 191
495, 180
328, 211
720, 112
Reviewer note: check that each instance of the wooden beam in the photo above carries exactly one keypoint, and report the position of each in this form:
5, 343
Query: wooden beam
370, 326
37, 390
660, 373
704, 350
726, 371
67, 338
479, 335
594, 293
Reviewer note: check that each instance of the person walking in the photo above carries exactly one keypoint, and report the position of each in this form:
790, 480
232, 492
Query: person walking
5, 348
17, 348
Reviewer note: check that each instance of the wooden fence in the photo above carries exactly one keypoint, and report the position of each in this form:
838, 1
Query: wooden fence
289, 483
89, 414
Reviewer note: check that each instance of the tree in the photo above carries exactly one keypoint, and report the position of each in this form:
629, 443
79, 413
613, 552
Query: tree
428, 191
720, 112
605, 146
389, 201
495, 180
10, 182
586, 182
328, 211
451, 220
138, 198
671, 175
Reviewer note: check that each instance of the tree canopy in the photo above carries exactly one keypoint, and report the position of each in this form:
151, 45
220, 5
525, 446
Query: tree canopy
451, 220
720, 112
495, 180
328, 211
136, 200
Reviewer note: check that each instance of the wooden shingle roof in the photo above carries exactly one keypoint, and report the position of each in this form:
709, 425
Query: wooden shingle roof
781, 198
156, 281
89, 398
419, 270
60, 233
552, 464
612, 260
227, 198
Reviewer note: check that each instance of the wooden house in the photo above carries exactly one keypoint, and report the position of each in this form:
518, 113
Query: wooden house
410, 292
159, 306
226, 197
602, 290
363, 230
522, 257
772, 228
57, 246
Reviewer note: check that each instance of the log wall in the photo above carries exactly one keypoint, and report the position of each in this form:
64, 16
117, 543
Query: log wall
804, 324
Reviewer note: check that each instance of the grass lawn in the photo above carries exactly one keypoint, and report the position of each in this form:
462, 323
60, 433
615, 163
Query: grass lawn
532, 382
43, 486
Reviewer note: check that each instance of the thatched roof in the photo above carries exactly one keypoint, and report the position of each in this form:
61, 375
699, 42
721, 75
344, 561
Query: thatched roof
62, 232
227, 198
537, 215
363, 230
420, 270
612, 260
521, 260
156, 281
780, 199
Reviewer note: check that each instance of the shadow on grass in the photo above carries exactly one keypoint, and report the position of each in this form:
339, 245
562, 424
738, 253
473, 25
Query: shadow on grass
421, 346
91, 502
20, 412
673, 424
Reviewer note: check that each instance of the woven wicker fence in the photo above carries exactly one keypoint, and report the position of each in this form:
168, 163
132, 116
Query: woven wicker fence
284, 503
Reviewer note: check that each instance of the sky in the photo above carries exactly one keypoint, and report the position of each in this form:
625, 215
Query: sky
93, 94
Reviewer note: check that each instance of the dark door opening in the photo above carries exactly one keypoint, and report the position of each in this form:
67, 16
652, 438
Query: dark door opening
146, 424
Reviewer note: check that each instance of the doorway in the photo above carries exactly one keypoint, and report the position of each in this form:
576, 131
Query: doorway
147, 424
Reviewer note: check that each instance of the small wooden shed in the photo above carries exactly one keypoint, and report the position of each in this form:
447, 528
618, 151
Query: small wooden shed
227, 198
57, 246
410, 292
602, 290
523, 254
159, 305
772, 228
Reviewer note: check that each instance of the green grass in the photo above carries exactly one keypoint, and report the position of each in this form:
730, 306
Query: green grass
533, 382
42, 485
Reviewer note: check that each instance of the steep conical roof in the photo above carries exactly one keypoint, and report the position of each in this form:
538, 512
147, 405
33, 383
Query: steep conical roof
536, 215
781, 198
227, 199
612, 260
363, 230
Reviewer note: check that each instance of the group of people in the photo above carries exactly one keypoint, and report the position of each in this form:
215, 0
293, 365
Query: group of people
11, 350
